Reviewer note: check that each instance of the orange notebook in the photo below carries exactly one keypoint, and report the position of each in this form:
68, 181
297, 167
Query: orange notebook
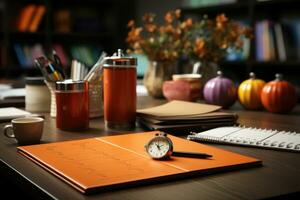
104, 163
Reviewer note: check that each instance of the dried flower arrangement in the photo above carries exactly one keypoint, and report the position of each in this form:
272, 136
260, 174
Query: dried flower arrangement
205, 40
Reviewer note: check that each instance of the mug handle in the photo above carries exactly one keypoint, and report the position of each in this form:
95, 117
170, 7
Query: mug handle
6, 131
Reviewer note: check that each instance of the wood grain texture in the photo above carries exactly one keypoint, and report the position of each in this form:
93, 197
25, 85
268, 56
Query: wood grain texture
279, 175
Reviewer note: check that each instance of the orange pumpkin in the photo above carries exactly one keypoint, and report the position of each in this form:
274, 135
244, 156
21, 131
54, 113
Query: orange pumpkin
279, 96
249, 92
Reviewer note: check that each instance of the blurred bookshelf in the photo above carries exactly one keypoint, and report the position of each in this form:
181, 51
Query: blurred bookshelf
78, 29
275, 47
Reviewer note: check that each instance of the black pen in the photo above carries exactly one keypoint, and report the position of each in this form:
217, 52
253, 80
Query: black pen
190, 154
58, 63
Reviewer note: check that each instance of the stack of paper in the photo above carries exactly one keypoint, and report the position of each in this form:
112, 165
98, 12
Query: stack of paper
184, 117
9, 113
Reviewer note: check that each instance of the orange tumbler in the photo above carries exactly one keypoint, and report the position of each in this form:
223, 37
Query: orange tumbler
72, 105
119, 87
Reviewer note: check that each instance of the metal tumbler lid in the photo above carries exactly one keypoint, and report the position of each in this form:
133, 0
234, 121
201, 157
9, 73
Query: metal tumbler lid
118, 60
71, 85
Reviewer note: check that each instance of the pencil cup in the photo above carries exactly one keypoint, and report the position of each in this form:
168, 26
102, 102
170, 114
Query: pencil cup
37, 95
95, 99
51, 86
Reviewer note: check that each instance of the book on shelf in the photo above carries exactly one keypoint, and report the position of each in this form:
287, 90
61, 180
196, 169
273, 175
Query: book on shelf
62, 21
37, 18
271, 41
36, 51
280, 42
62, 55
263, 41
271, 34
85, 54
120, 161
259, 44
291, 32
20, 55
183, 117
26, 54
30, 17
24, 17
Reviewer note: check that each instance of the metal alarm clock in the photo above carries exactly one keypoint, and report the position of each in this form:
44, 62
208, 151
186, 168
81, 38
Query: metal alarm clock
161, 147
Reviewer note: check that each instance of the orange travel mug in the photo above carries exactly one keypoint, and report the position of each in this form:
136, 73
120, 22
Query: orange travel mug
72, 105
119, 88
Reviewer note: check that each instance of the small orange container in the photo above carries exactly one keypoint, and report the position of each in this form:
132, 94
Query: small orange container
72, 105
119, 87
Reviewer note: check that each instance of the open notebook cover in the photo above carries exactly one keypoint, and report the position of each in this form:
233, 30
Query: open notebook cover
104, 163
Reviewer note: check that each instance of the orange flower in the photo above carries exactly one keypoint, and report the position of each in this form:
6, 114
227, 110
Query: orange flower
221, 20
134, 35
224, 46
169, 17
178, 13
149, 17
200, 43
199, 48
186, 24
150, 28
131, 24
187, 45
169, 29
189, 23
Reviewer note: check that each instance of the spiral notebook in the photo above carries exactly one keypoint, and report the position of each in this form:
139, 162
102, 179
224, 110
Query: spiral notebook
264, 138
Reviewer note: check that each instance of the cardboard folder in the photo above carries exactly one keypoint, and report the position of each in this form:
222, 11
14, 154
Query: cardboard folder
182, 116
105, 163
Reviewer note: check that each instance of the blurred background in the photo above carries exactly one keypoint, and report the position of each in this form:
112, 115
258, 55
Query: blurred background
82, 29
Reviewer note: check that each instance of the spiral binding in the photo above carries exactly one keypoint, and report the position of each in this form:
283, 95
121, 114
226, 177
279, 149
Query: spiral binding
267, 142
204, 138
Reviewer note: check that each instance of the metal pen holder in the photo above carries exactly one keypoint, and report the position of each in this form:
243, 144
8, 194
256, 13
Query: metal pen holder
51, 86
95, 98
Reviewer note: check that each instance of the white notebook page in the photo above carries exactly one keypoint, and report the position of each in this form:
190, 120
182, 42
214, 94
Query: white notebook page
250, 135
220, 132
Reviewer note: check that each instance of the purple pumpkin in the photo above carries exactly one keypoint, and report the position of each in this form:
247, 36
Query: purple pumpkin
220, 91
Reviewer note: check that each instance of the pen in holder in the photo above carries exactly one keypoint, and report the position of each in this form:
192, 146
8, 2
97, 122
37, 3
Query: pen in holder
52, 72
51, 86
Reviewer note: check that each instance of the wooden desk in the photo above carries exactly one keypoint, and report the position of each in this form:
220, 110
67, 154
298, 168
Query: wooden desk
279, 175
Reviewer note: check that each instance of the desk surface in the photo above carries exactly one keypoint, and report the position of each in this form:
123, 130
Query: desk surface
279, 175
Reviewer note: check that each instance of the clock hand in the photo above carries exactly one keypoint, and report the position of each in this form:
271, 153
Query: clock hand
157, 145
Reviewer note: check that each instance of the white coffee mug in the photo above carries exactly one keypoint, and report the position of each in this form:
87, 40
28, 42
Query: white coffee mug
26, 130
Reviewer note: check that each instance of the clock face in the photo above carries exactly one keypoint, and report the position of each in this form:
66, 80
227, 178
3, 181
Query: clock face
159, 147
